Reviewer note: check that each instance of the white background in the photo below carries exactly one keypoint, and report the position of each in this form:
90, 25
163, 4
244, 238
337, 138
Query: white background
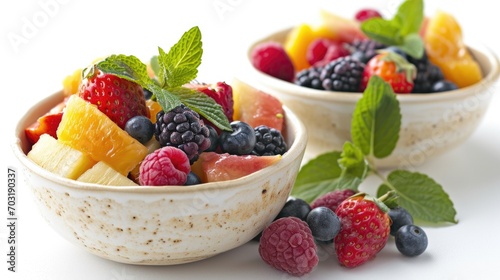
60, 36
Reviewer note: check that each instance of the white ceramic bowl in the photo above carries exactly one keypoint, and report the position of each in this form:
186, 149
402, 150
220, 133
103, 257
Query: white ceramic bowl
431, 123
161, 225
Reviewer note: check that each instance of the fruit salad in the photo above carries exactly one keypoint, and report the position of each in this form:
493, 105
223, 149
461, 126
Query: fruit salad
123, 122
419, 54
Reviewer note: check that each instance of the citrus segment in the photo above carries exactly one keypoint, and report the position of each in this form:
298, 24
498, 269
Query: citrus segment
87, 129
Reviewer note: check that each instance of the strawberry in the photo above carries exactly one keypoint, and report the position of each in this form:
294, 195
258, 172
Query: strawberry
222, 93
365, 229
392, 68
118, 98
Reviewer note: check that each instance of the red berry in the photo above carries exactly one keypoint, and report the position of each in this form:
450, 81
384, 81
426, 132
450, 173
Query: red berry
321, 51
165, 166
272, 59
365, 230
118, 98
222, 93
288, 245
332, 199
392, 68
365, 14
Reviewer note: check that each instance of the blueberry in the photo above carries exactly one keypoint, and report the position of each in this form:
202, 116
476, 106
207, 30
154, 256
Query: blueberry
295, 207
411, 240
141, 128
192, 179
214, 139
443, 85
240, 141
147, 94
324, 223
399, 217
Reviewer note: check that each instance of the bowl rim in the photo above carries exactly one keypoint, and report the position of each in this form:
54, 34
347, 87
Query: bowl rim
295, 151
350, 97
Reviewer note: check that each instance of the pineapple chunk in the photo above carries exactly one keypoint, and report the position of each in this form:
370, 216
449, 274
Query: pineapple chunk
103, 174
59, 158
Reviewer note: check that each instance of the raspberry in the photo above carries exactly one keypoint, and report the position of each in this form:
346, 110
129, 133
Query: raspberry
164, 166
272, 59
365, 14
321, 51
288, 245
269, 142
332, 199
342, 74
182, 128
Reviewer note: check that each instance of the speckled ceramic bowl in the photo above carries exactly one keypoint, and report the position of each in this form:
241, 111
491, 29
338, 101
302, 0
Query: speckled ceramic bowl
161, 225
431, 125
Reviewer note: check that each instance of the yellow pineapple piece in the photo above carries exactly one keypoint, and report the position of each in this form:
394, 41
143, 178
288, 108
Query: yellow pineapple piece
87, 129
152, 146
154, 107
59, 158
72, 82
103, 174
446, 48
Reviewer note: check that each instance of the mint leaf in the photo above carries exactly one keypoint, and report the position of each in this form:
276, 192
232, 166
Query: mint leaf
377, 119
409, 17
181, 62
352, 161
383, 31
203, 105
395, 32
421, 196
322, 175
127, 67
413, 45
155, 65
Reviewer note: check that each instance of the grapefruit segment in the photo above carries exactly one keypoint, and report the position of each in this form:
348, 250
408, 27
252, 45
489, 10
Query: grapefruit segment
214, 167
256, 107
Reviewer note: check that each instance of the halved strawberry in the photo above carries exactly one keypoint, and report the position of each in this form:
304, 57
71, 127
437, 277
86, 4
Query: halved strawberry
118, 98
222, 93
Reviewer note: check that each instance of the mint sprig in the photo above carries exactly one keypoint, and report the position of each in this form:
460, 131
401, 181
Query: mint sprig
375, 131
402, 30
173, 69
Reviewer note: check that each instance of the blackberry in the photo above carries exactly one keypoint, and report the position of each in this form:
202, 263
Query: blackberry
309, 78
269, 142
182, 128
343, 74
364, 50
427, 74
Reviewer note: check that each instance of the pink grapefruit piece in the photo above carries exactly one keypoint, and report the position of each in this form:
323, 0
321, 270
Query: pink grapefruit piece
214, 167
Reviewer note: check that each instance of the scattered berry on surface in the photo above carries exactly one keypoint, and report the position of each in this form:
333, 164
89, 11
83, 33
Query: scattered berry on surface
288, 245
141, 128
272, 59
411, 240
295, 207
367, 13
182, 128
332, 199
269, 142
309, 77
342, 74
118, 98
365, 230
324, 223
443, 85
164, 166
399, 217
241, 141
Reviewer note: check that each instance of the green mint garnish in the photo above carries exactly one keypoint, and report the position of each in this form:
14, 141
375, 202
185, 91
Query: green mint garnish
173, 69
375, 131
402, 30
